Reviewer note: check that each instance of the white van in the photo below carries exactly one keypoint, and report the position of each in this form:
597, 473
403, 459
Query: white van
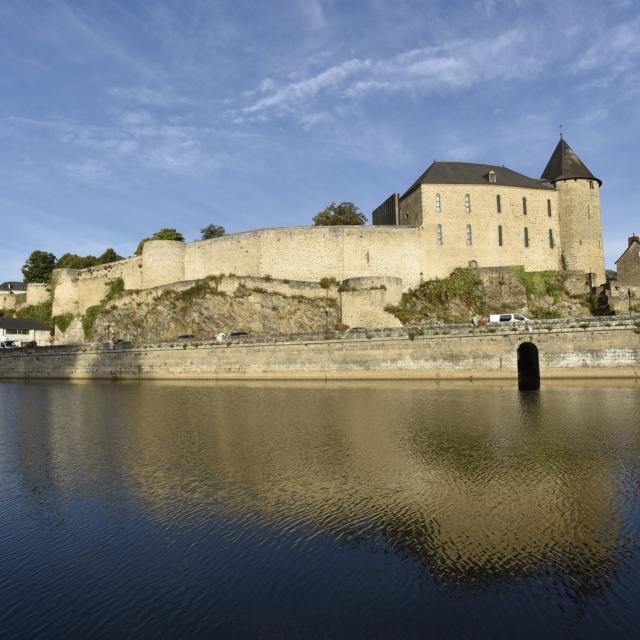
7, 344
501, 318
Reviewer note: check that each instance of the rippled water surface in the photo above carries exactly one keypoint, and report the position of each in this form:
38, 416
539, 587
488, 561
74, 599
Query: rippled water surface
308, 510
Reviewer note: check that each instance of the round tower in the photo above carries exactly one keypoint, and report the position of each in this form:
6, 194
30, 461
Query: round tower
579, 213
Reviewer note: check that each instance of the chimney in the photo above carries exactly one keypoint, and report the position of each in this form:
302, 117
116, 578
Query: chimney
633, 238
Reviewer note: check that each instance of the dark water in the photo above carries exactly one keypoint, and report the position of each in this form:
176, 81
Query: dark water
394, 510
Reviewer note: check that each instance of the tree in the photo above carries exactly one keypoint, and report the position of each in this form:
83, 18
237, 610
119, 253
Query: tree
212, 231
339, 214
163, 234
108, 256
38, 266
74, 261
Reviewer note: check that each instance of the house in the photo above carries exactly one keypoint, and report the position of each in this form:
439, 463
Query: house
24, 330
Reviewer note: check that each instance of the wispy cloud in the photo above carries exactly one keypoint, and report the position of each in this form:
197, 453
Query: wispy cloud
459, 64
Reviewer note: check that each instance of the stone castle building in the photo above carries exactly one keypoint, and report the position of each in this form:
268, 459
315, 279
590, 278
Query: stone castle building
454, 215
487, 215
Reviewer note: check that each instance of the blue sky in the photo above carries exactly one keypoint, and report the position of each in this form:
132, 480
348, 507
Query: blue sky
119, 117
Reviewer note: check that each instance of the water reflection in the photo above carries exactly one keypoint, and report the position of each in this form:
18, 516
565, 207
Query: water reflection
525, 498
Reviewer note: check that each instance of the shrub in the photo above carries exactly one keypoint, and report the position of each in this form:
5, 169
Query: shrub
62, 321
327, 283
89, 320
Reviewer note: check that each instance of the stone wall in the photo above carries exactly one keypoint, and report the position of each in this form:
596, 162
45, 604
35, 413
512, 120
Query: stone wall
629, 266
484, 220
581, 227
596, 352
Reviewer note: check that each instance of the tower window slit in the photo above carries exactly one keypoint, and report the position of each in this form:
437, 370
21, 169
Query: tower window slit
499, 235
526, 236
469, 235
498, 204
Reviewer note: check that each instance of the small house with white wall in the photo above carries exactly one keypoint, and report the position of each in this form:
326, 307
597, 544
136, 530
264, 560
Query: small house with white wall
24, 330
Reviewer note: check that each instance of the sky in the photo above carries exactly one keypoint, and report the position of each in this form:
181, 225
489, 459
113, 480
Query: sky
120, 117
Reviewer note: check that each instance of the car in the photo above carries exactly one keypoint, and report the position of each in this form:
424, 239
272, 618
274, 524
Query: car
238, 334
186, 337
501, 318
358, 330
8, 344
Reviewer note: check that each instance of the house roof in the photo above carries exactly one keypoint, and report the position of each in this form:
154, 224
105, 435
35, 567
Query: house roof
10, 324
564, 164
13, 286
632, 245
473, 173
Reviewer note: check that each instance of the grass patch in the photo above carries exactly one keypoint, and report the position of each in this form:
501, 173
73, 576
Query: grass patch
435, 297
62, 321
538, 284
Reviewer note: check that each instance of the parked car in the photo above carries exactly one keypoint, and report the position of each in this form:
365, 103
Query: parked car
501, 318
357, 330
8, 344
238, 334
186, 337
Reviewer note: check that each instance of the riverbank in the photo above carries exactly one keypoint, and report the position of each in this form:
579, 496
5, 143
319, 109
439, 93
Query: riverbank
597, 351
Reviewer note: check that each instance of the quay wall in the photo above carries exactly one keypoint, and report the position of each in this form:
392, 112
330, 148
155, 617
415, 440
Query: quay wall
595, 352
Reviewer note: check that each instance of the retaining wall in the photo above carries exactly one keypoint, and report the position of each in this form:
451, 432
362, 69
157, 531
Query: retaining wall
595, 353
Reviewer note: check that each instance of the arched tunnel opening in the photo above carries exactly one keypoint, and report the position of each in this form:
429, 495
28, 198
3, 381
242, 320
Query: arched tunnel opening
528, 366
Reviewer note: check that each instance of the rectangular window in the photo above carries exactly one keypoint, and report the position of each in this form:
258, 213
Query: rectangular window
549, 208
439, 234
524, 206
498, 204
467, 203
551, 242
499, 235
590, 184
526, 237
438, 203
469, 236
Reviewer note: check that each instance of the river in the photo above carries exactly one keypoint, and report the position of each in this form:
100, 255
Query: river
340, 510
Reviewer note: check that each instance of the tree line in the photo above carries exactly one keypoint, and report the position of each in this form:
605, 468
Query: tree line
40, 264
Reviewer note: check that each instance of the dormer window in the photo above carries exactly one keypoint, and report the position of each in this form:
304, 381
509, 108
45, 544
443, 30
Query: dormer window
492, 176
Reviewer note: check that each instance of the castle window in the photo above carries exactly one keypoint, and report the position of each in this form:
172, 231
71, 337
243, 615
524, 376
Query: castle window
524, 206
492, 176
439, 234
469, 236
548, 207
438, 203
499, 235
498, 204
467, 203
551, 242
526, 236
590, 184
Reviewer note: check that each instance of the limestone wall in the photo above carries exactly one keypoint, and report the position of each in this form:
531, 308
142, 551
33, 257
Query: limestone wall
629, 266
598, 352
11, 300
37, 293
581, 226
484, 219
75, 290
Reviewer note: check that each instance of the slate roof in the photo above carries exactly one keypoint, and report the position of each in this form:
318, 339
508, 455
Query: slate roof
10, 324
18, 287
473, 173
564, 164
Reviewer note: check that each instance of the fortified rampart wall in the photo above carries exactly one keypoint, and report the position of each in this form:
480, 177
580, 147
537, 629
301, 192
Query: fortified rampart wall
595, 352
299, 253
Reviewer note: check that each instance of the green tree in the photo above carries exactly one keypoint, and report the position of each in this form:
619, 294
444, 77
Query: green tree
163, 234
212, 231
345, 213
108, 256
38, 266
74, 261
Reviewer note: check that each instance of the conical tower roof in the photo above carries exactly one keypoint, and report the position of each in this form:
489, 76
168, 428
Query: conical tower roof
564, 164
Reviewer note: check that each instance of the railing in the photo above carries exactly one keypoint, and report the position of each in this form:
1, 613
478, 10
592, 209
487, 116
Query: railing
409, 332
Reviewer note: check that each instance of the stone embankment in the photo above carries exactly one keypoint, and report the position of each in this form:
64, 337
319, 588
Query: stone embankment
580, 348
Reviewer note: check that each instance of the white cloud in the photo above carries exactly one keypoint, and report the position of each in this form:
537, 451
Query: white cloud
458, 64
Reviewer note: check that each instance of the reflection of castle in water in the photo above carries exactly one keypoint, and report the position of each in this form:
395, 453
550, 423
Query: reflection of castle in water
476, 486
475, 483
